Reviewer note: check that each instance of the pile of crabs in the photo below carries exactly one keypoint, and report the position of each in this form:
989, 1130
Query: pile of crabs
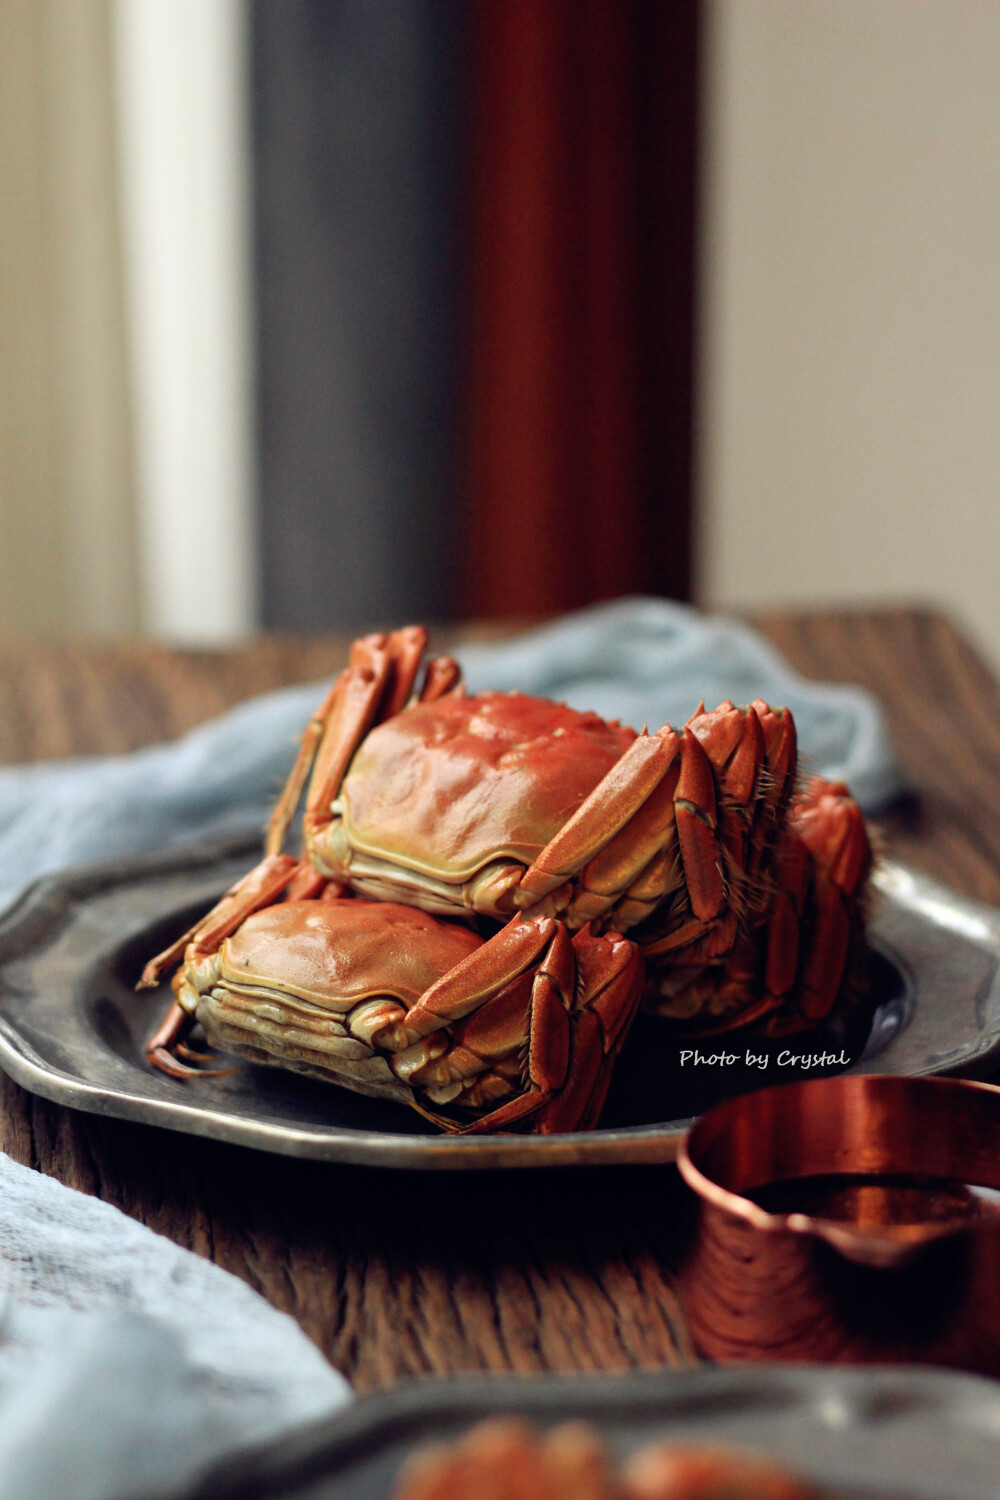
490, 886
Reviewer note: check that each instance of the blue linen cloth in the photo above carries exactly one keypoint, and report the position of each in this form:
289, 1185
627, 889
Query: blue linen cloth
128, 1364
639, 660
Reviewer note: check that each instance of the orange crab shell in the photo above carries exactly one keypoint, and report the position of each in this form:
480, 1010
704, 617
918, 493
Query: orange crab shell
447, 788
339, 953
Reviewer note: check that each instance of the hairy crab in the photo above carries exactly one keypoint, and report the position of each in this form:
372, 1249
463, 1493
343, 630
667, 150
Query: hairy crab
424, 803
807, 953
387, 1000
496, 803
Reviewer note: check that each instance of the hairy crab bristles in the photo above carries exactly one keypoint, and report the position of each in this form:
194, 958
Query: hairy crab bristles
807, 954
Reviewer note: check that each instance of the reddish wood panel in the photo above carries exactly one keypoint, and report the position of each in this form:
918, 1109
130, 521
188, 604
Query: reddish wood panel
581, 125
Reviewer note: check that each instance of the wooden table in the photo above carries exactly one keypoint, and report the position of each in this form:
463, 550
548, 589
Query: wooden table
397, 1274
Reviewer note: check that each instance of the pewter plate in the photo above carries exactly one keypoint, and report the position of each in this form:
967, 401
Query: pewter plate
859, 1434
73, 1030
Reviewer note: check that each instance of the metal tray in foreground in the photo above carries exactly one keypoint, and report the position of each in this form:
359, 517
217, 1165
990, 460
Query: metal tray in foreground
876, 1434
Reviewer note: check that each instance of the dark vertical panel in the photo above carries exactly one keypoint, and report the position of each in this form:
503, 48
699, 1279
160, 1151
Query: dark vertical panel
515, 318
667, 96
354, 144
609, 505
577, 411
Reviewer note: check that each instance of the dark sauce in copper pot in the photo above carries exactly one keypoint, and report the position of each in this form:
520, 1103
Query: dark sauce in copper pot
875, 1202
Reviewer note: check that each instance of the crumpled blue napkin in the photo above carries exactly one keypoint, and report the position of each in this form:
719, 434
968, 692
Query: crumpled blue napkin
639, 660
128, 1364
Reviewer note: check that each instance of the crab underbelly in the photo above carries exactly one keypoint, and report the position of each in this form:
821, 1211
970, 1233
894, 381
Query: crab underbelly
443, 858
489, 890
267, 1026
270, 1027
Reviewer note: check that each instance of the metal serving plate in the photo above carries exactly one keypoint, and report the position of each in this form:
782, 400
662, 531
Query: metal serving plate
877, 1434
73, 1030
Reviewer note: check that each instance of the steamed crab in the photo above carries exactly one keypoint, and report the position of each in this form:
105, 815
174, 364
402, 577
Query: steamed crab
497, 803
387, 1000
427, 803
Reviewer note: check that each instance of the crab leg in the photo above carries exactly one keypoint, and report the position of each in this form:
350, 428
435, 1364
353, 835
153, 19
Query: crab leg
646, 837
167, 1036
829, 823
602, 1005
778, 785
751, 752
609, 987
512, 994
695, 812
264, 883
734, 742
549, 1036
532, 1020
406, 649
443, 677
508, 954
791, 968
284, 808
377, 683
656, 822
608, 809
352, 714
261, 887
168, 1040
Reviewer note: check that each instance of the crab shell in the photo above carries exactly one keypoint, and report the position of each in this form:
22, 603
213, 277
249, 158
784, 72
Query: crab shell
448, 802
388, 1001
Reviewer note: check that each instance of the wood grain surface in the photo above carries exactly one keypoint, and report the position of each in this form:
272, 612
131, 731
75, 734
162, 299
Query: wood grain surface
397, 1274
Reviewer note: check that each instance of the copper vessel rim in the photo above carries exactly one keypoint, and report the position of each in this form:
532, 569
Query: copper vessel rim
886, 1241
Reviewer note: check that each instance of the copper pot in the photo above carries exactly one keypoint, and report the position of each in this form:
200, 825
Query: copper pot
837, 1223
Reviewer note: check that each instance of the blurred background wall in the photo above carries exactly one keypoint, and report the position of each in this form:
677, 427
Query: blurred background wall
326, 312
67, 525
850, 339
475, 267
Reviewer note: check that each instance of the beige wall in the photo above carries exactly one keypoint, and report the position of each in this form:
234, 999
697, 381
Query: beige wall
182, 85
850, 405
67, 562
126, 446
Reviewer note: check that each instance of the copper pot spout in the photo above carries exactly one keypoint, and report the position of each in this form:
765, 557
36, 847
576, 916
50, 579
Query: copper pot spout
838, 1222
